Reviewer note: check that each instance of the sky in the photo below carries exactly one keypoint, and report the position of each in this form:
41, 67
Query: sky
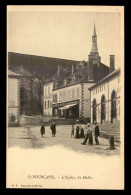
64, 34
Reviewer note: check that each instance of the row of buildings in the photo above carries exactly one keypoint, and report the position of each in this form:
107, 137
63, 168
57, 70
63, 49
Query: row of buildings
85, 89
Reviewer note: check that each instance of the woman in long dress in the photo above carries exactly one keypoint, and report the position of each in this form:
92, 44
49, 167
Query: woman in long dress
82, 126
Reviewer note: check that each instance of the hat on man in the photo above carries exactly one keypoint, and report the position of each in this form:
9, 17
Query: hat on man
88, 124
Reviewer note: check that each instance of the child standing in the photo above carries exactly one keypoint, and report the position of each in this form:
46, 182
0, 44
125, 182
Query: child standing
72, 131
42, 130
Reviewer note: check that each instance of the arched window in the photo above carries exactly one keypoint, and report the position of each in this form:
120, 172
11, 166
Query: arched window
103, 108
94, 110
113, 106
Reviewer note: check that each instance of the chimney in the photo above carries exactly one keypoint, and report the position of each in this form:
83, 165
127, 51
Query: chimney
72, 69
59, 69
65, 81
77, 65
83, 64
112, 63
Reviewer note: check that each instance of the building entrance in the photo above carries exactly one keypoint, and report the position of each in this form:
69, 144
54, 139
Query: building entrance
113, 106
94, 110
103, 110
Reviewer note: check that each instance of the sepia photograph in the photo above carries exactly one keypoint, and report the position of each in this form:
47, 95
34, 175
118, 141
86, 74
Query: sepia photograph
65, 97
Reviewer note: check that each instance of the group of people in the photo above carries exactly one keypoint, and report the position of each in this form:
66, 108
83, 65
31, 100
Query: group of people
52, 127
81, 130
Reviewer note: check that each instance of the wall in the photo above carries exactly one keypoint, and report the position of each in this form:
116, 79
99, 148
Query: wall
86, 99
65, 94
13, 98
29, 120
106, 89
47, 97
115, 85
97, 94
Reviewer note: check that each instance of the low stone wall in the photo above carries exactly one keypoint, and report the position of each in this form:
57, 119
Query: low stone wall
29, 120
13, 124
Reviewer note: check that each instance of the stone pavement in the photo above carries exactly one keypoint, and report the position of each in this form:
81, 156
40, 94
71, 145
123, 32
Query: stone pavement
31, 138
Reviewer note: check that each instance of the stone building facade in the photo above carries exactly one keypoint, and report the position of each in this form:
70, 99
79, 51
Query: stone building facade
72, 101
48, 98
105, 99
30, 91
13, 98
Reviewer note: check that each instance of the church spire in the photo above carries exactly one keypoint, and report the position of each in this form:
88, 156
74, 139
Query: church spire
93, 57
94, 32
94, 41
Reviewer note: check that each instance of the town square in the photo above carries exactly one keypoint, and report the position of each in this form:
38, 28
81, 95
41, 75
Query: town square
82, 93
30, 137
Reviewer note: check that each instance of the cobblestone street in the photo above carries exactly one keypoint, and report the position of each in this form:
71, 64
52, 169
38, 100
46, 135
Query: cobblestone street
30, 137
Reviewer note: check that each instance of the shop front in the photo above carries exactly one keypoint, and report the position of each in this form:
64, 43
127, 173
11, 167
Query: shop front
66, 109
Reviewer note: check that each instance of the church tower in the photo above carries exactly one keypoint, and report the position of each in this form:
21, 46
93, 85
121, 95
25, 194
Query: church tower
93, 58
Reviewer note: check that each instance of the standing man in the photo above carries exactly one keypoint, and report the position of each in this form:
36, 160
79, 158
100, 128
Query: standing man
42, 129
97, 133
53, 129
87, 135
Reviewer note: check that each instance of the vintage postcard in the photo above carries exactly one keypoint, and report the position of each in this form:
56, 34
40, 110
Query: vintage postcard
65, 97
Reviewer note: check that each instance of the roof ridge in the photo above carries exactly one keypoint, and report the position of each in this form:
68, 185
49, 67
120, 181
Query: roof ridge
26, 68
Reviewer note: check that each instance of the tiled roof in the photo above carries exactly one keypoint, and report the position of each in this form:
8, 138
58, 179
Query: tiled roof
44, 66
100, 72
10, 73
108, 77
64, 73
82, 75
23, 71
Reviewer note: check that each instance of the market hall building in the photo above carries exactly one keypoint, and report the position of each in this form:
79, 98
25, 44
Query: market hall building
105, 97
71, 97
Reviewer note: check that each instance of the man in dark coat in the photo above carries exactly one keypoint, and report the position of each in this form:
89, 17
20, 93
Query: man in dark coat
42, 129
97, 133
53, 129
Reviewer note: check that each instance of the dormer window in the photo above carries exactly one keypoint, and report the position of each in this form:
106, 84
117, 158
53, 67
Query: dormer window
56, 84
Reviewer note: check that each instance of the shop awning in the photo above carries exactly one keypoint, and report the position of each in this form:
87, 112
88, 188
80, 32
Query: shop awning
68, 106
62, 108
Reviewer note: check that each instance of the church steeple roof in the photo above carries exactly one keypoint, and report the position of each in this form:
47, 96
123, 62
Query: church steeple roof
94, 31
94, 41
